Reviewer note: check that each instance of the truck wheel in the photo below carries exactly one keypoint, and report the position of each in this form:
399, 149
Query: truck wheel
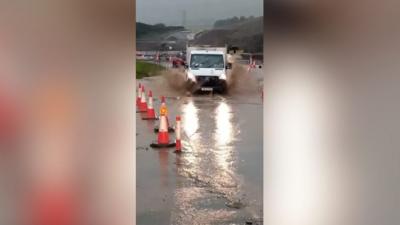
190, 86
224, 87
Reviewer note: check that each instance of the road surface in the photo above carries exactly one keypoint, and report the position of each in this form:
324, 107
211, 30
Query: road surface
218, 177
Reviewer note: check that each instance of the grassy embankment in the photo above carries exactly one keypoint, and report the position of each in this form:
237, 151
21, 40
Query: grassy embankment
146, 69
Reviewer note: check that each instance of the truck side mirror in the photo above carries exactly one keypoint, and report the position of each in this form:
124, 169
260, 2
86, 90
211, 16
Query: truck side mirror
228, 66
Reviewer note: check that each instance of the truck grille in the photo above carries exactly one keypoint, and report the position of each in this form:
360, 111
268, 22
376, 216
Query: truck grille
207, 79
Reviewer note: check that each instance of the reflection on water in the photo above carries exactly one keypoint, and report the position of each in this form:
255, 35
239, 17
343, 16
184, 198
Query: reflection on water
190, 119
210, 144
163, 157
190, 124
223, 135
209, 162
224, 128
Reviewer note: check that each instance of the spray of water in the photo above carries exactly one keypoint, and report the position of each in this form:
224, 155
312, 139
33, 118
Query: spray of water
171, 82
240, 81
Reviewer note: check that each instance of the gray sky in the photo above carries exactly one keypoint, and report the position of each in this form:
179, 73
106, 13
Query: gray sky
198, 12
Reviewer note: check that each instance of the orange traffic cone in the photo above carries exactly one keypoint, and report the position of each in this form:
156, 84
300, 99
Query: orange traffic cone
151, 115
178, 145
163, 136
139, 95
164, 106
143, 104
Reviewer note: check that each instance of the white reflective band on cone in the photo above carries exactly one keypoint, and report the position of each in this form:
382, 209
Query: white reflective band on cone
143, 99
178, 130
163, 124
150, 105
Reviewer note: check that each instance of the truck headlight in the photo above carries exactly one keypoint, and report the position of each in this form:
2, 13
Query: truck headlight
191, 76
222, 76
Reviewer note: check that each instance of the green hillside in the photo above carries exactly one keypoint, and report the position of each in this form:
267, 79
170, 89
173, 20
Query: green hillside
143, 29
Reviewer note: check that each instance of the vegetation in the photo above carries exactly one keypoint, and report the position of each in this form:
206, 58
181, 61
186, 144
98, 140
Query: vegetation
143, 29
231, 21
147, 69
245, 33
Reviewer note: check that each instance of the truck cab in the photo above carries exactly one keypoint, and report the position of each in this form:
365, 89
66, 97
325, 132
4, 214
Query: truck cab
206, 69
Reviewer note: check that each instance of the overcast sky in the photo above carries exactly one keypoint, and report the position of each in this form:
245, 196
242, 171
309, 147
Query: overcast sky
170, 12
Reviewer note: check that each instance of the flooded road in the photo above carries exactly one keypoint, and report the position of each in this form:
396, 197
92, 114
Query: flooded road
217, 179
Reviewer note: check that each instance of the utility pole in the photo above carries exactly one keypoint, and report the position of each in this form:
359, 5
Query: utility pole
184, 18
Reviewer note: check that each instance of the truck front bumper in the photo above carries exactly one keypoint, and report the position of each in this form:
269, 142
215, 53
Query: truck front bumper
210, 83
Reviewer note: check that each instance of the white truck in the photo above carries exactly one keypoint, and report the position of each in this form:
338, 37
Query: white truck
207, 68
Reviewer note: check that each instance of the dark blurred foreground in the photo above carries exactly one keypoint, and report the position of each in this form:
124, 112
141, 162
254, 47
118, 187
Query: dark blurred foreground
65, 124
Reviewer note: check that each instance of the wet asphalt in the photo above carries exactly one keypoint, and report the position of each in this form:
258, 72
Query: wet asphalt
217, 179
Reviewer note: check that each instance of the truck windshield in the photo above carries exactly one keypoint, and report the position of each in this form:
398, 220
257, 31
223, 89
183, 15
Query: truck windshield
207, 61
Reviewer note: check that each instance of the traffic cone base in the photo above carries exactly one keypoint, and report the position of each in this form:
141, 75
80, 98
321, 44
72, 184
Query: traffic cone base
170, 129
157, 145
150, 118
163, 141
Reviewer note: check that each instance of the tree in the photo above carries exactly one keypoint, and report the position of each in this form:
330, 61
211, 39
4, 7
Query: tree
159, 25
